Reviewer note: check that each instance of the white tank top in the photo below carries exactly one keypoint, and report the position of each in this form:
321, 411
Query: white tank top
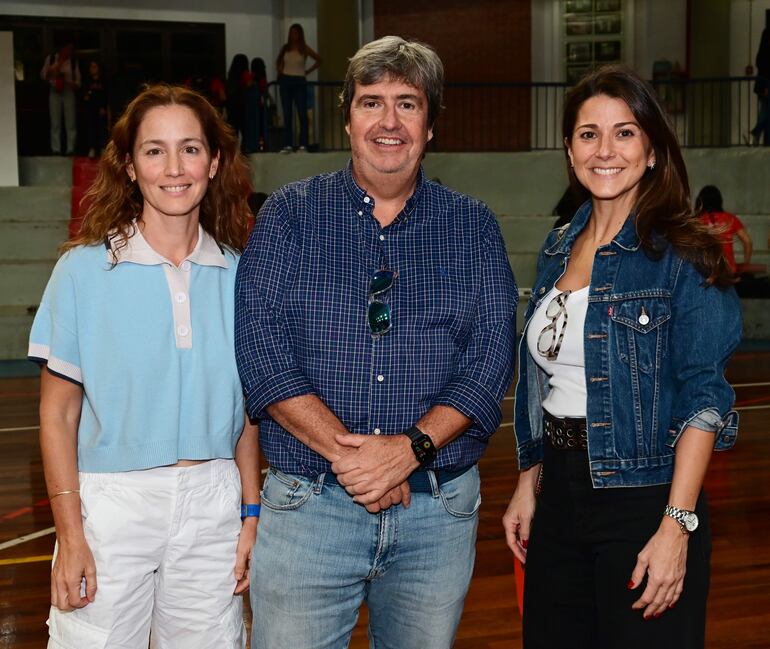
566, 372
294, 63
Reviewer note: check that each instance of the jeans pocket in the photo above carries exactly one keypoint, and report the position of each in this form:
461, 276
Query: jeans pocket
282, 491
67, 630
461, 497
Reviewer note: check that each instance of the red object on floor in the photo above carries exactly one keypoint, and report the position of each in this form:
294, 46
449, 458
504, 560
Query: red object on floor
518, 571
84, 172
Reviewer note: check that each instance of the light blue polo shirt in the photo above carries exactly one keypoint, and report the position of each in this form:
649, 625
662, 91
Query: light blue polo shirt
151, 344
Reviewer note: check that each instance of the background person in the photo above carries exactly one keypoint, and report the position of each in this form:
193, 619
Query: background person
292, 82
762, 90
621, 394
255, 119
708, 205
62, 73
141, 410
96, 106
235, 87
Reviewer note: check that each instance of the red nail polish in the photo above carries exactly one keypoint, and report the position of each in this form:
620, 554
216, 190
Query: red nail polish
656, 615
646, 617
672, 605
630, 585
524, 543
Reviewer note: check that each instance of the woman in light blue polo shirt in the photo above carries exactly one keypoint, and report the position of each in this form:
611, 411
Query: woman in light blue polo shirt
145, 451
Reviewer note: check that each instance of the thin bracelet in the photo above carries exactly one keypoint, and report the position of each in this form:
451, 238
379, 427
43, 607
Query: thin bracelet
62, 493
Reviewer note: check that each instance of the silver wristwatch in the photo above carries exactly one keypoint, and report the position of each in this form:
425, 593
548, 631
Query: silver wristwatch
687, 520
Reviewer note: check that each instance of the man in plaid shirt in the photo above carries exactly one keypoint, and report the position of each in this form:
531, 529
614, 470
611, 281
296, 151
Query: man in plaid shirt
375, 331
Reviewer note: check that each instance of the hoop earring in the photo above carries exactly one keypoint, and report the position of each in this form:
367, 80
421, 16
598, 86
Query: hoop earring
651, 165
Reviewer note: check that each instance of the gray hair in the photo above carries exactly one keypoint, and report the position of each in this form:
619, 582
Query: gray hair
412, 62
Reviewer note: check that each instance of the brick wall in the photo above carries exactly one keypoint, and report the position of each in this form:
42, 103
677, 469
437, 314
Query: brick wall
485, 41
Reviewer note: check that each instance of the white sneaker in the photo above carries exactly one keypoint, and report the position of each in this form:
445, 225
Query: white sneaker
302, 149
287, 149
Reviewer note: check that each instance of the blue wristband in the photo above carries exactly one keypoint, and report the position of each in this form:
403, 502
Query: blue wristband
250, 510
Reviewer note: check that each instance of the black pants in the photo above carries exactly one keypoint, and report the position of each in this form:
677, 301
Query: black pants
582, 550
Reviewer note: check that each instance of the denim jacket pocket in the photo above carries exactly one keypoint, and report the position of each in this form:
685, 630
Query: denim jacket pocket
282, 491
642, 339
461, 497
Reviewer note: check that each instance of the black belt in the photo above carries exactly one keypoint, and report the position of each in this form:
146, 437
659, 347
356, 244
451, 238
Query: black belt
565, 433
419, 481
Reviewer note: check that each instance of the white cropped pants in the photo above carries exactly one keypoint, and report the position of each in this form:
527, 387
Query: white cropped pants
164, 543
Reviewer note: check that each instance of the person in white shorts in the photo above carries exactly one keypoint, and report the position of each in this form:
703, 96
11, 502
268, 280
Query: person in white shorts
148, 463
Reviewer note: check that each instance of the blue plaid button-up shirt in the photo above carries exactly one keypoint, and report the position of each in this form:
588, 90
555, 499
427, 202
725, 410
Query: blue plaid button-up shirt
301, 314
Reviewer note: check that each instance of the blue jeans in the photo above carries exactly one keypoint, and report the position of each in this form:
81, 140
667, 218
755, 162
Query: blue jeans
318, 556
294, 92
762, 127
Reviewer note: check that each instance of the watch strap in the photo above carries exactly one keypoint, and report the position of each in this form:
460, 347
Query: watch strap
678, 515
422, 445
251, 510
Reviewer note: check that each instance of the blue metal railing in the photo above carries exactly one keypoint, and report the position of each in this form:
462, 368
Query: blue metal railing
706, 112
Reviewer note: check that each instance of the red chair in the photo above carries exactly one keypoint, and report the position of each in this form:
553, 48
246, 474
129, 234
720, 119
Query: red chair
84, 172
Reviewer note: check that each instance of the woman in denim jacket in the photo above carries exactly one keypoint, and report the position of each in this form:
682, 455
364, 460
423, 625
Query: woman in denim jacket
621, 394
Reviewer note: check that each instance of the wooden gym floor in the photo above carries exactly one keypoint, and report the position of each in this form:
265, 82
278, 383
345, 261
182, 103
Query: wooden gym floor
738, 486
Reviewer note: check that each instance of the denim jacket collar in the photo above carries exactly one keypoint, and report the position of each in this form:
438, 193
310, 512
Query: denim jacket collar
627, 238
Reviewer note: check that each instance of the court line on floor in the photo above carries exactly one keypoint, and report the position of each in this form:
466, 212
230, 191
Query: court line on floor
18, 560
18, 429
27, 537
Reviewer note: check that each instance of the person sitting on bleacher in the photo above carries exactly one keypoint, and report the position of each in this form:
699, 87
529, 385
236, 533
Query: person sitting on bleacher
708, 206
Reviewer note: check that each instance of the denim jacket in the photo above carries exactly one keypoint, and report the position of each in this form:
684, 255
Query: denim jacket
656, 344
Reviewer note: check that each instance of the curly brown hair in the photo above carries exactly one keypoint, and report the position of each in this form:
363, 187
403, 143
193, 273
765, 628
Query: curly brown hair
114, 201
663, 205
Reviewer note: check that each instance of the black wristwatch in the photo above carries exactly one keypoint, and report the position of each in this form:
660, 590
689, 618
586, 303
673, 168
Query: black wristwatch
422, 445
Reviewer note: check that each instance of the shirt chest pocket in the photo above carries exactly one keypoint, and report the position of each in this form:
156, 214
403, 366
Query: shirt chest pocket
641, 331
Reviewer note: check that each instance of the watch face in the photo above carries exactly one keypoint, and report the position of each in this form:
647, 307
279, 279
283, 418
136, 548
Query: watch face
690, 521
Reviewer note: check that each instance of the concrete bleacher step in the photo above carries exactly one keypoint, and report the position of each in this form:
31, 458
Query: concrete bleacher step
525, 233
15, 323
25, 204
37, 240
22, 281
37, 171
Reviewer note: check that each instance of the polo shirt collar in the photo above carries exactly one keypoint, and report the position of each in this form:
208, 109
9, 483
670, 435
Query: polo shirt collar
206, 252
364, 203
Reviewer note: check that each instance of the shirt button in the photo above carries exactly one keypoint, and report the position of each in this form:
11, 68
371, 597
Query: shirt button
380, 378
186, 265
377, 431
367, 199
382, 237
182, 330
542, 290
180, 297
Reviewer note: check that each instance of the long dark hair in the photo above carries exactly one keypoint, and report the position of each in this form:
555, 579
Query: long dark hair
114, 201
663, 205
238, 66
287, 45
709, 200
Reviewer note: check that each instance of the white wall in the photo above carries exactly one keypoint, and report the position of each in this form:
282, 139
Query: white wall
747, 19
652, 30
660, 32
9, 164
252, 27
